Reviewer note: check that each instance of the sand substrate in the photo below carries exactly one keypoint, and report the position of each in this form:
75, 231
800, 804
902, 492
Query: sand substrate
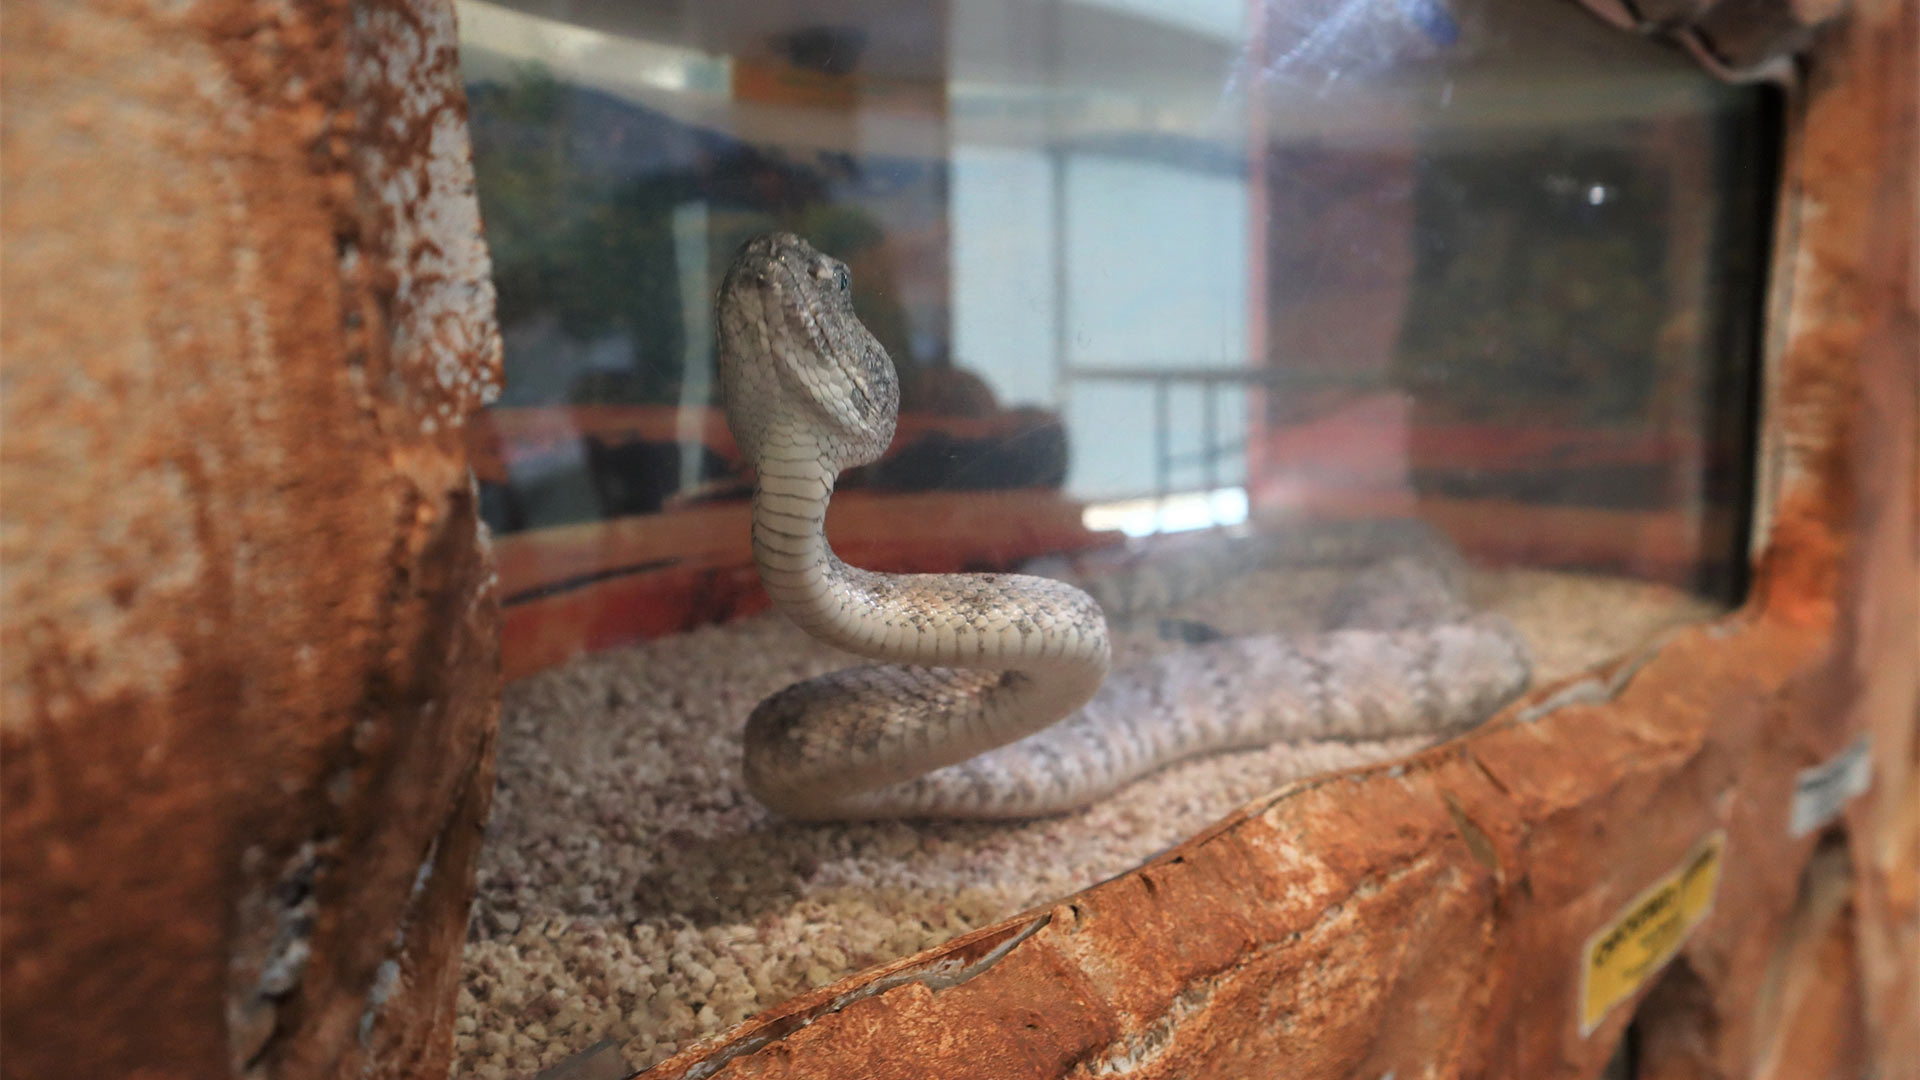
630, 890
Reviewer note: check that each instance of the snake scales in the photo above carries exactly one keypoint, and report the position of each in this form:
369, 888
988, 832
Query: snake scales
992, 697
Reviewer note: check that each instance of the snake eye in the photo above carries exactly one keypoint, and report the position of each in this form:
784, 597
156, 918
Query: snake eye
842, 279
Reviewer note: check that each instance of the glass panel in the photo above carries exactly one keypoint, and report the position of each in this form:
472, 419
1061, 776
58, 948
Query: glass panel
1367, 363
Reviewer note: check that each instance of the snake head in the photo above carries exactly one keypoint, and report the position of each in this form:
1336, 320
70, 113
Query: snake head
795, 359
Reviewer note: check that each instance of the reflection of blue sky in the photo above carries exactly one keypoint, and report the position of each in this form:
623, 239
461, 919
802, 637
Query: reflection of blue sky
1111, 431
494, 38
1002, 234
1216, 18
1155, 264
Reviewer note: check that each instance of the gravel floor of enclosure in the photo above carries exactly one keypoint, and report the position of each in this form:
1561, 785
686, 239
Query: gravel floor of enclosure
630, 890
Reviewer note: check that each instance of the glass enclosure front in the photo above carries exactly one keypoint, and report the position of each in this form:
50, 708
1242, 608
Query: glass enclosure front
1368, 362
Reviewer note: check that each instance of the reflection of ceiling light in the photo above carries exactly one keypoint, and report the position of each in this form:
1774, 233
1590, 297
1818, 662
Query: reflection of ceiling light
583, 52
1596, 195
1223, 19
1174, 513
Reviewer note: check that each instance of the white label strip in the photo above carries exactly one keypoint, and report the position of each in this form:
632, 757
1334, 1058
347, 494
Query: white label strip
1821, 792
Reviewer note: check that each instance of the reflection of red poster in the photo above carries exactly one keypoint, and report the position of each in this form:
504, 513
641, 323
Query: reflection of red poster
767, 81
597, 585
590, 585
775, 82
1369, 459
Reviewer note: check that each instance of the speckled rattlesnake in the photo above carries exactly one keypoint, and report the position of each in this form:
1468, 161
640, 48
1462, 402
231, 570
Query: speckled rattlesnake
980, 733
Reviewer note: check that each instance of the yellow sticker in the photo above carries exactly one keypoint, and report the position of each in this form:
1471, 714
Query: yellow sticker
1623, 955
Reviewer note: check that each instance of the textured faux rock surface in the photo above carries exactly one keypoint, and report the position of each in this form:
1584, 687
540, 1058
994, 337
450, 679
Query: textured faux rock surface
247, 630
630, 889
1737, 38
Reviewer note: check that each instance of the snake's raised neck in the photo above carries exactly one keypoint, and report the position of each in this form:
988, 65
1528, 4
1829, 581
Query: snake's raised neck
808, 393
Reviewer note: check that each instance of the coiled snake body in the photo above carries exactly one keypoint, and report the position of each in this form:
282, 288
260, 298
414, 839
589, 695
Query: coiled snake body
962, 716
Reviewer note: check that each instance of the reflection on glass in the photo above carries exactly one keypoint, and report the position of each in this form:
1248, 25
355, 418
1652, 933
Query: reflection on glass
1212, 308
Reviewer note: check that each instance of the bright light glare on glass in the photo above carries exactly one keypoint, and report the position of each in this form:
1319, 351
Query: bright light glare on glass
1183, 512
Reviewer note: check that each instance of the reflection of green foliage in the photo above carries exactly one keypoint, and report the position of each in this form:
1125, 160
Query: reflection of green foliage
536, 99
597, 253
524, 182
596, 256
841, 231
1528, 299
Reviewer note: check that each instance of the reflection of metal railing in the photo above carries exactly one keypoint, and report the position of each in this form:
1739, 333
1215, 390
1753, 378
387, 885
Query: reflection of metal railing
1209, 380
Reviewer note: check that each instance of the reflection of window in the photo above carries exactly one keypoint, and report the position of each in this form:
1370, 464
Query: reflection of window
1106, 209
1482, 275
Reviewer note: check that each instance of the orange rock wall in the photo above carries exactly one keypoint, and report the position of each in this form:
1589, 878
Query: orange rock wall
248, 644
